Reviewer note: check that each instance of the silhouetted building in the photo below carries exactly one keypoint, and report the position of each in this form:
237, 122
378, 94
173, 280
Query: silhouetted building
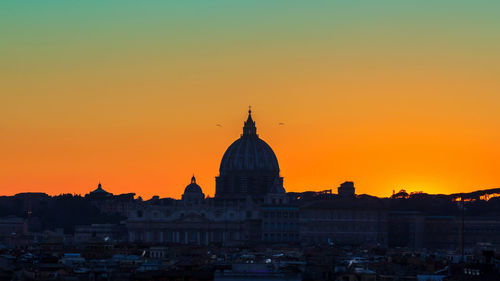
338, 221
280, 223
406, 229
251, 206
110, 204
99, 193
248, 167
445, 232
442, 232
192, 193
481, 231
248, 185
346, 190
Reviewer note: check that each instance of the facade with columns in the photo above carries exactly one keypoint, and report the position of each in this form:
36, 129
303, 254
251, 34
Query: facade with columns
248, 190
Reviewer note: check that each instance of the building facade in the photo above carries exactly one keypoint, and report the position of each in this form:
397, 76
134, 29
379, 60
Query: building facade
347, 222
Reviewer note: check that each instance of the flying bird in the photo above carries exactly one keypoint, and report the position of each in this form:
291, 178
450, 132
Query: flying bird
218, 125
282, 124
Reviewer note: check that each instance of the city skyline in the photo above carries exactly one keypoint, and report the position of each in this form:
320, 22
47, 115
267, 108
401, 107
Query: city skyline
389, 95
211, 193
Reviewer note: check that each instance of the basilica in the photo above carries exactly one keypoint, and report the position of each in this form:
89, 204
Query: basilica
251, 206
250, 203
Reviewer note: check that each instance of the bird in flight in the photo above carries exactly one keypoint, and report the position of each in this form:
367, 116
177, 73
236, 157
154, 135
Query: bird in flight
282, 124
218, 125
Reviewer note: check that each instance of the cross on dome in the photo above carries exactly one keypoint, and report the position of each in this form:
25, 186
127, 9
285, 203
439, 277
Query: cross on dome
249, 128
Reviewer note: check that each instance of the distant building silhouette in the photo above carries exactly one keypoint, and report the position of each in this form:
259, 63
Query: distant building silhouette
248, 167
99, 192
251, 207
250, 203
346, 190
345, 222
193, 193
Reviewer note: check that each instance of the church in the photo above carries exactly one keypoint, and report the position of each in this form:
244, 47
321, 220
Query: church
250, 203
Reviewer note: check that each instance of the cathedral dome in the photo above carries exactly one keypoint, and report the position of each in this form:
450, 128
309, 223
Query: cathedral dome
249, 153
193, 187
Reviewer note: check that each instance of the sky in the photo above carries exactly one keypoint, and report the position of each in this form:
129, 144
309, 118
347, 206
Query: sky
389, 94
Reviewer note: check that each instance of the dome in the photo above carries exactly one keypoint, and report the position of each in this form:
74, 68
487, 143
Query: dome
249, 153
249, 167
99, 192
193, 187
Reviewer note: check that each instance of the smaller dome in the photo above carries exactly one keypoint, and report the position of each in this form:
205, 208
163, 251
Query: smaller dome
193, 187
99, 191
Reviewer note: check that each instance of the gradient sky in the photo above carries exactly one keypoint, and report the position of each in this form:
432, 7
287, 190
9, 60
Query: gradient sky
388, 94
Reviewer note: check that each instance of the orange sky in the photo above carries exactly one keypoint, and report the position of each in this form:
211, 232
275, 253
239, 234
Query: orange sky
390, 96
